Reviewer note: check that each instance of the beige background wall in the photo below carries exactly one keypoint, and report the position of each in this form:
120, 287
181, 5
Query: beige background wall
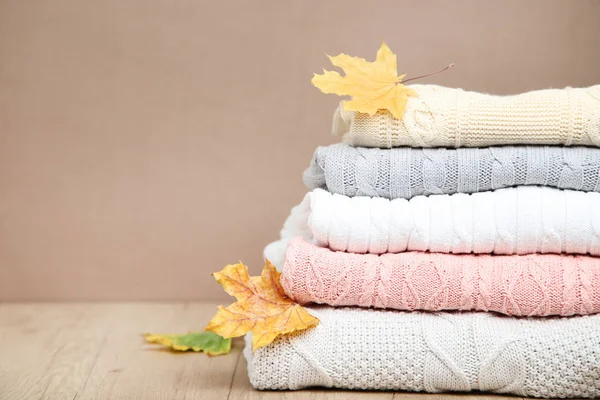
145, 144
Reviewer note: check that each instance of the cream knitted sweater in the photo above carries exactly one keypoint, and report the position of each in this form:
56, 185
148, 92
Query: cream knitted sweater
444, 117
521, 220
434, 352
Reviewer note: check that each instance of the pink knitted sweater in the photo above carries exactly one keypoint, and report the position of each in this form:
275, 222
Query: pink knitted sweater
529, 285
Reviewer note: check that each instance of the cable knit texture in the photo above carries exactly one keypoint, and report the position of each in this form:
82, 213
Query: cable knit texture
531, 285
434, 352
405, 172
521, 220
444, 117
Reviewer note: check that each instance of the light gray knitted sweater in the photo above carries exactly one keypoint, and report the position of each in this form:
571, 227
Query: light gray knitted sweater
356, 348
407, 172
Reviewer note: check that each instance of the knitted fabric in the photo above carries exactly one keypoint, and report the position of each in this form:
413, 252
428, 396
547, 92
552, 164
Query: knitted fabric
405, 172
531, 285
443, 117
355, 348
521, 220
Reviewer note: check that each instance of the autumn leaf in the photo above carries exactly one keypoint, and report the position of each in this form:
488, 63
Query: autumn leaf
261, 307
372, 85
208, 342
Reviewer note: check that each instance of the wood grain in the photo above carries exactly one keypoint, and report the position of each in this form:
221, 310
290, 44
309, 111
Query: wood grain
95, 351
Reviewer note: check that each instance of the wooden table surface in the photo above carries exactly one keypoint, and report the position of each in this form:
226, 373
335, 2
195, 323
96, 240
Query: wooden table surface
85, 351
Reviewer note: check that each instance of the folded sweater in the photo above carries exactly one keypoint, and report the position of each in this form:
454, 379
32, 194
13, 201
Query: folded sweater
407, 172
444, 117
355, 348
521, 220
530, 285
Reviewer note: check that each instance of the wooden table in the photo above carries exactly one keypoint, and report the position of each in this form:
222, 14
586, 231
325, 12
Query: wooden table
85, 351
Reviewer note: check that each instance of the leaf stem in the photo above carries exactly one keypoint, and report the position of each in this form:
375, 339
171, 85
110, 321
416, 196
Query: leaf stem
425, 76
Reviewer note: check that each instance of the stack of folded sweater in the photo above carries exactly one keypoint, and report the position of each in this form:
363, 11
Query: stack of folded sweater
452, 250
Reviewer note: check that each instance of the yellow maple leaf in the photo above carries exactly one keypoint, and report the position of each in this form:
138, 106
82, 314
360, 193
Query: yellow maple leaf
372, 85
261, 307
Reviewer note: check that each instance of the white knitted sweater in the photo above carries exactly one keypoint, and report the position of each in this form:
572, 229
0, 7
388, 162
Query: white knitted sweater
444, 117
418, 351
521, 220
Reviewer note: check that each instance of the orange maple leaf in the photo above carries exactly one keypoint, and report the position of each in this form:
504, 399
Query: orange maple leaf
261, 307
